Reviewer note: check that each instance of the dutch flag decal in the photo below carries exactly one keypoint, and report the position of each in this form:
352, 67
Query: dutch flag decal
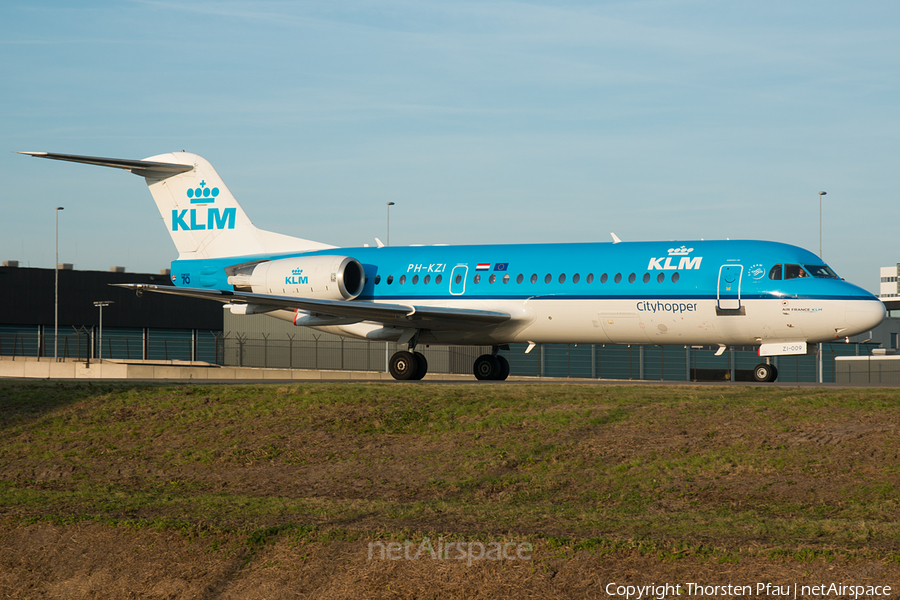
483, 267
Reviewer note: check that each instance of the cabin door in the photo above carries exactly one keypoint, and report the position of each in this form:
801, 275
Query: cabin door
729, 292
458, 280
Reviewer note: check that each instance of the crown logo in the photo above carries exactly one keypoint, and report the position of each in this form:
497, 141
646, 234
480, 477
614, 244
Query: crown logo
202, 194
683, 251
297, 272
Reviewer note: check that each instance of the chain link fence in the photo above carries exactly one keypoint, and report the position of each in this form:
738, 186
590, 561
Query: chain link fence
653, 363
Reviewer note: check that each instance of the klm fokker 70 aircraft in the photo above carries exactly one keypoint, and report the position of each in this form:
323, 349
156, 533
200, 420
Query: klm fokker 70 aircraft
727, 293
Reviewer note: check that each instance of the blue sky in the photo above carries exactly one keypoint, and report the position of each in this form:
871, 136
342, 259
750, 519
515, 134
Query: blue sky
484, 121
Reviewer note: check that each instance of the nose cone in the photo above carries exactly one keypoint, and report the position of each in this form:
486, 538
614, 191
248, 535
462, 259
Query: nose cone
864, 315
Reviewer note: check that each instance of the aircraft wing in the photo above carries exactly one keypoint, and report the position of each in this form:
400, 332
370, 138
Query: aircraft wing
399, 315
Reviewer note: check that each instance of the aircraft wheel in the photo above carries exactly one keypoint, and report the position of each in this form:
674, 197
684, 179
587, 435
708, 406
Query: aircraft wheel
504, 368
403, 365
421, 366
763, 372
486, 367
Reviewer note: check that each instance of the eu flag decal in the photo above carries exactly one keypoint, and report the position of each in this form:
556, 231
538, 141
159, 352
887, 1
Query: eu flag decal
500, 266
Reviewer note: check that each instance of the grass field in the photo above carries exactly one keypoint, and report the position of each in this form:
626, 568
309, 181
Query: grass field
656, 482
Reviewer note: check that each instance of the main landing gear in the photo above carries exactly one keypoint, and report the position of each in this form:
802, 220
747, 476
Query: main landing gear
408, 366
491, 367
411, 366
765, 372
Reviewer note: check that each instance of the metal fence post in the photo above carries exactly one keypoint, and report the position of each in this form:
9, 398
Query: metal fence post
641, 361
290, 351
687, 363
662, 363
542, 360
731, 355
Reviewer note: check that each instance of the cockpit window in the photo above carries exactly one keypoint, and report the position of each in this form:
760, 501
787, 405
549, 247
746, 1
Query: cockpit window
794, 272
822, 271
775, 272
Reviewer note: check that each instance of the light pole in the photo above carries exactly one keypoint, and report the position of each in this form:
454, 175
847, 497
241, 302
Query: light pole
819, 357
56, 292
101, 304
386, 351
820, 222
389, 205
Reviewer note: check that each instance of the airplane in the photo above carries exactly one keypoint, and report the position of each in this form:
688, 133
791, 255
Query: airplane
777, 297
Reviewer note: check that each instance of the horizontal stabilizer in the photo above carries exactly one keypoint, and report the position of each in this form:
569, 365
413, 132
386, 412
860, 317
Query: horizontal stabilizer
144, 168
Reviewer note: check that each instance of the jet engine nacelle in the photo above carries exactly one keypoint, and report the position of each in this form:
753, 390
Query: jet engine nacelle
327, 277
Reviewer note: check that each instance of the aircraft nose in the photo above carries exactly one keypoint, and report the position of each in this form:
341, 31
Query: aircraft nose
864, 315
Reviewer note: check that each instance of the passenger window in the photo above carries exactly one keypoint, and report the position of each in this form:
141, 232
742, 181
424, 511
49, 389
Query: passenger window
604, 278
534, 278
646, 277
631, 278
415, 279
775, 273
618, 277
427, 279
575, 278
519, 278
492, 278
458, 279
675, 277
377, 279
437, 279
402, 279
506, 278
547, 278
476, 279
794, 272
390, 279
660, 278
562, 277
590, 278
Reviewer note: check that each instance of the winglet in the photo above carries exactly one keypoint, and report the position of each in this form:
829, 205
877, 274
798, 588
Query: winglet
615, 238
379, 242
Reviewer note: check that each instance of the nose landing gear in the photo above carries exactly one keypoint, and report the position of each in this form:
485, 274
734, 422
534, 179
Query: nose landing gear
765, 372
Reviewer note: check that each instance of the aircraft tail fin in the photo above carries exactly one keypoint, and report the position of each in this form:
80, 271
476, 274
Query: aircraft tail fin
200, 213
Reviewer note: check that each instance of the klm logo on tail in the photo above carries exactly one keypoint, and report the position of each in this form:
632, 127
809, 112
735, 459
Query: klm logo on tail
215, 218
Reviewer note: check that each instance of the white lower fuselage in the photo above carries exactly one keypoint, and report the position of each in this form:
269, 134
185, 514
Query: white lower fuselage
661, 322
